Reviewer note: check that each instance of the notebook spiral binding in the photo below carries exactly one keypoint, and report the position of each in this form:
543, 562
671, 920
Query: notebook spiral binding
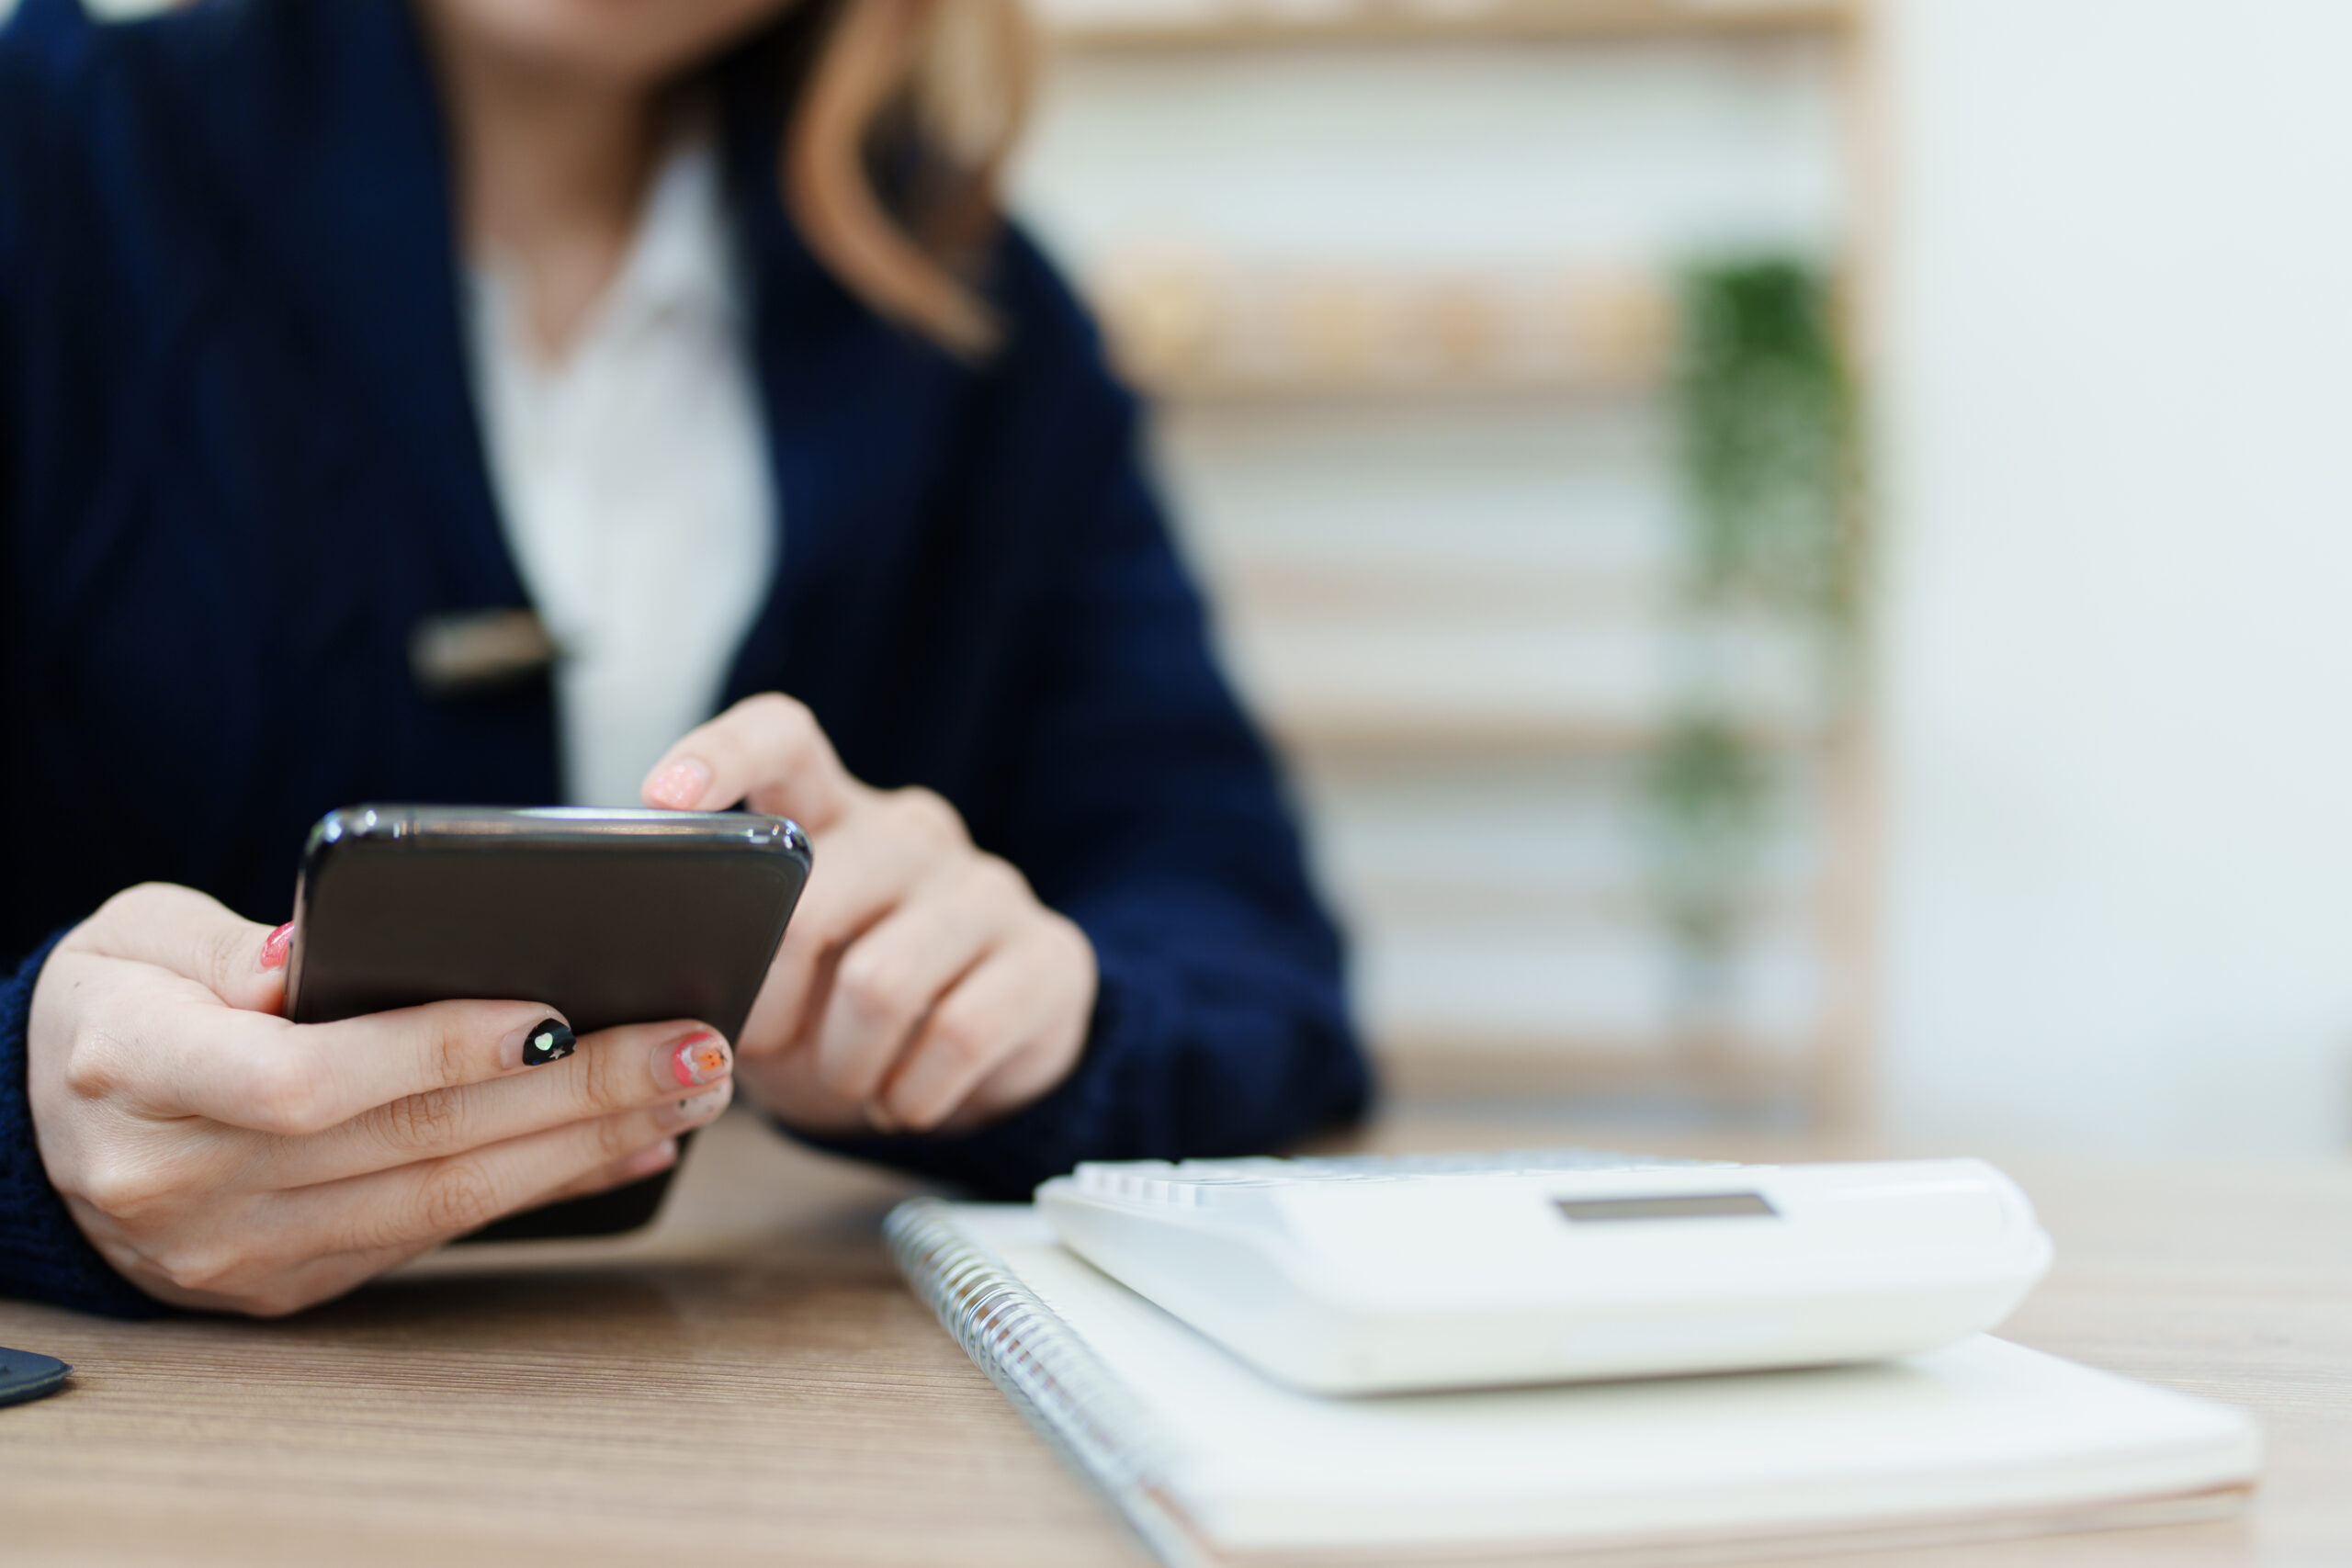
1059, 1386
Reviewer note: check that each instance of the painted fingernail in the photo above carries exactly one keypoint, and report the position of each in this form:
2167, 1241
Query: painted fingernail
693, 1062
645, 1162
274, 946
695, 1109
678, 785
550, 1040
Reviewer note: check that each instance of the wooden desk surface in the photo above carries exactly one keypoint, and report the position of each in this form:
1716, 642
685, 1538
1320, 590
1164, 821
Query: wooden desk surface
750, 1383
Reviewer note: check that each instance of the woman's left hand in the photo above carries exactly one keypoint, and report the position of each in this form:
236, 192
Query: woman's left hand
920, 985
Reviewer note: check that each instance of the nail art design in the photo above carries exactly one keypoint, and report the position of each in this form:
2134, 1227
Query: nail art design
274, 946
699, 1059
696, 1109
551, 1042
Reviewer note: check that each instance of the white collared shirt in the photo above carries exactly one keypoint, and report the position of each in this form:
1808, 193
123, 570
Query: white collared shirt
634, 482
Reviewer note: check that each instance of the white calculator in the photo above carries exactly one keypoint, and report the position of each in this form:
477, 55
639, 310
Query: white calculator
1373, 1274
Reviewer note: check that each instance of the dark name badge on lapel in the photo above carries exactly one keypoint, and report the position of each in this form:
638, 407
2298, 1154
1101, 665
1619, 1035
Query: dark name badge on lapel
465, 653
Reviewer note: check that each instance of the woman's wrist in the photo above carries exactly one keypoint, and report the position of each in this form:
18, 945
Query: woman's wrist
44, 1253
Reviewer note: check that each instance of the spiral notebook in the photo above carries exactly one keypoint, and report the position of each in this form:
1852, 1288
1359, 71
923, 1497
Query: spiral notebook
1211, 1464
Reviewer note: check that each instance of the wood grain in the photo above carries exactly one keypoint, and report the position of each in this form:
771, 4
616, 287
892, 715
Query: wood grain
749, 1383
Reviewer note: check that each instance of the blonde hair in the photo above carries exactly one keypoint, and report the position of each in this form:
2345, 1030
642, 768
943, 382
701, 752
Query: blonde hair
893, 147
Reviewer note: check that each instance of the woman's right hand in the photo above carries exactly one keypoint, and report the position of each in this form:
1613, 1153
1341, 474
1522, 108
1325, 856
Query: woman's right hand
220, 1157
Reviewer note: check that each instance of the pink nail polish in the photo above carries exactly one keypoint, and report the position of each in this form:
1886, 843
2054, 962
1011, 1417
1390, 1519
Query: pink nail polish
678, 785
645, 1162
274, 946
699, 1059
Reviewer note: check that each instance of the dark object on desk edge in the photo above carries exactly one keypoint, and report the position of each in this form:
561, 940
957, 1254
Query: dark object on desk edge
26, 1376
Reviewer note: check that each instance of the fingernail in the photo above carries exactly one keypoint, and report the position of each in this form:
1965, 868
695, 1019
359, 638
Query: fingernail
678, 785
693, 1062
550, 1040
645, 1162
275, 945
695, 1109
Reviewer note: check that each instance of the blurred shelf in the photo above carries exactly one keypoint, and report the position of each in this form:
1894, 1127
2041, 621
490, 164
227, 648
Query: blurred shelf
1103, 25
1331, 731
1222, 385
1257, 587
1192, 325
1394, 902
1267, 589
1719, 1069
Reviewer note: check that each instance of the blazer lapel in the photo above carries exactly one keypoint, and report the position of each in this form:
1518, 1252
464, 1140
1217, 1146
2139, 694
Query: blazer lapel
856, 412
348, 112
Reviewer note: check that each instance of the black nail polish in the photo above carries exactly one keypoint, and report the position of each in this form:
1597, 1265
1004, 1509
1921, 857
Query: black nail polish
551, 1041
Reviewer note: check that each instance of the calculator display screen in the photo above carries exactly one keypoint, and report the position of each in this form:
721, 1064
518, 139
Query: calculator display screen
1675, 1206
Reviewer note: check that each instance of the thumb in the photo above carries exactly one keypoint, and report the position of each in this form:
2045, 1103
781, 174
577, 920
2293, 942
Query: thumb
198, 938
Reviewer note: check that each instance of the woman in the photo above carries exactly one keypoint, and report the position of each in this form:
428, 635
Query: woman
334, 332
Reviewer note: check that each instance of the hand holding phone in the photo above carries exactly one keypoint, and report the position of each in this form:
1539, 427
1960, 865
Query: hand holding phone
612, 917
219, 1156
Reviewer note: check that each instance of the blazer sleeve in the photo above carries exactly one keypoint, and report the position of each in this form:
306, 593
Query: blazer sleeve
1140, 801
43, 1255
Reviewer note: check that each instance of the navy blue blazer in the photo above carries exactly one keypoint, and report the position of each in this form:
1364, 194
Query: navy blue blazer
239, 462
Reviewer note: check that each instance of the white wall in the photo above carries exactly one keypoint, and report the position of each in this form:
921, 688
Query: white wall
2118, 439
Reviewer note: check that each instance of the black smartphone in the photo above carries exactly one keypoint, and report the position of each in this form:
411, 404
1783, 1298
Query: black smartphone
612, 917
